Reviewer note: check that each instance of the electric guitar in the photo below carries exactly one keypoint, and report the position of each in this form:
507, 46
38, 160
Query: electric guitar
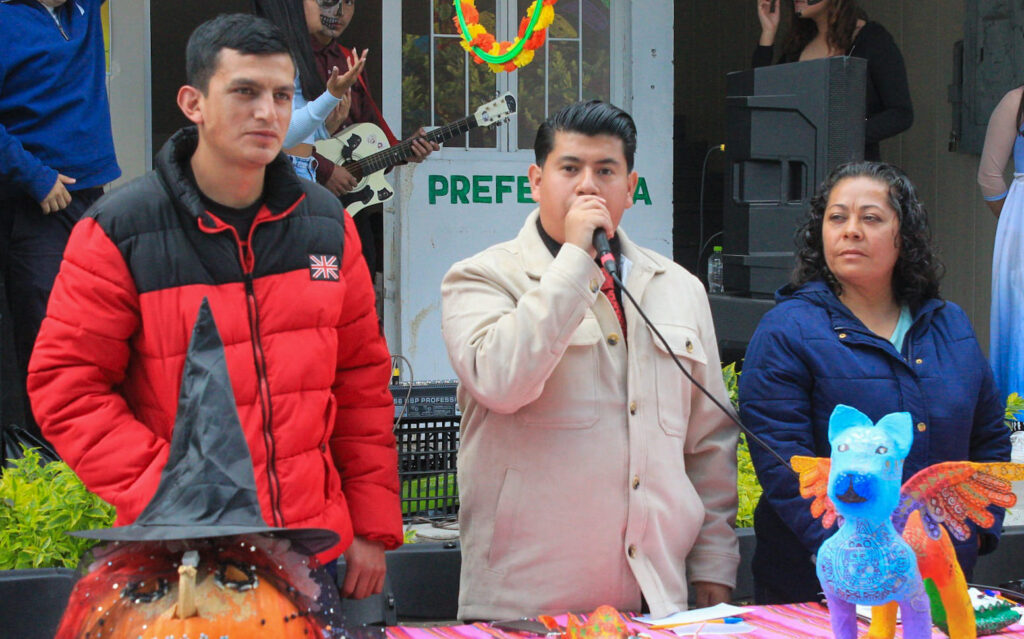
363, 151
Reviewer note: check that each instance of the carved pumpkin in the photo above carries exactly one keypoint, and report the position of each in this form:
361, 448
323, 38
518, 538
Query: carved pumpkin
200, 561
238, 587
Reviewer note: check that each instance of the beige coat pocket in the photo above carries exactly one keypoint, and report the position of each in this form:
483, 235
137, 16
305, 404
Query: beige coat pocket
506, 514
673, 387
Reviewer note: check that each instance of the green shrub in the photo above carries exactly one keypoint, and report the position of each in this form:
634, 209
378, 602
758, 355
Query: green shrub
748, 487
38, 505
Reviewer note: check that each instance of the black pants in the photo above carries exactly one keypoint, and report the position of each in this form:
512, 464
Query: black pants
370, 225
31, 248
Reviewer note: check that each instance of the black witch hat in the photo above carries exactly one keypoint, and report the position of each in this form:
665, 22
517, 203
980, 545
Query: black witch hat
207, 488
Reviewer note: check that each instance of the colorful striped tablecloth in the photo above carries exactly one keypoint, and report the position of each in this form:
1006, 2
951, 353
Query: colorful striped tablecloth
796, 621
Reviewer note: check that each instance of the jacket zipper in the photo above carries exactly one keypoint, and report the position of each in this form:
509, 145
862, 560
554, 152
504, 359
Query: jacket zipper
259, 357
260, 361
56, 20
248, 262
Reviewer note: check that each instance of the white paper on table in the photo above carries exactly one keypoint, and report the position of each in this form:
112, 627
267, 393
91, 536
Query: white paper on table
697, 615
713, 629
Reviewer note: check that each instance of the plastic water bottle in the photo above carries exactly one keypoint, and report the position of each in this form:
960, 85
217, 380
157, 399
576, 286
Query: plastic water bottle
1015, 515
716, 281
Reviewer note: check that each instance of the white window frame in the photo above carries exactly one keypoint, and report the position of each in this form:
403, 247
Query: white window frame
391, 63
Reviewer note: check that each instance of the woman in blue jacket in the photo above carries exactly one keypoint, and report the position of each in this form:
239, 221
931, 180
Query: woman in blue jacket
861, 324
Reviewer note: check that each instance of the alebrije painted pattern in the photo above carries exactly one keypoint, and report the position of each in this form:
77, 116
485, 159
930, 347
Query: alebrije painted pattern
892, 538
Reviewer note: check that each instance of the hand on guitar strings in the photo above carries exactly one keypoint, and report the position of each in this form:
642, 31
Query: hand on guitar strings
421, 147
341, 181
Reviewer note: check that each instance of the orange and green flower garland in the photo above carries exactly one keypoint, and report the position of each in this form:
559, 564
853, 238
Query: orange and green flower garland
503, 56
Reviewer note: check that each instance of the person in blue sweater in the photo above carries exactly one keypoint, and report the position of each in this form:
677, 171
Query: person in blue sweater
862, 324
56, 148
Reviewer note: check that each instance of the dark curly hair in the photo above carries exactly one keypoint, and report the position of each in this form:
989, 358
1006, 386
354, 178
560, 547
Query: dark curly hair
917, 272
842, 22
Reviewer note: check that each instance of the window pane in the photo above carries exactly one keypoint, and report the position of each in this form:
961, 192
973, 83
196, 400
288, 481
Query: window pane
482, 86
596, 50
567, 16
449, 84
563, 74
444, 11
530, 102
415, 67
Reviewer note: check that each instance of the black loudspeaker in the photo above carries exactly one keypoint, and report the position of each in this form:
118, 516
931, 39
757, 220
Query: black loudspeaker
788, 126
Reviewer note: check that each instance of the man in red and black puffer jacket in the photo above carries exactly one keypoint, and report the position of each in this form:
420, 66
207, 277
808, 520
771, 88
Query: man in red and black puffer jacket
224, 217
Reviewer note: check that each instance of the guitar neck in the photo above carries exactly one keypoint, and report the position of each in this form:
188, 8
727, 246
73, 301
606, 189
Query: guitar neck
403, 150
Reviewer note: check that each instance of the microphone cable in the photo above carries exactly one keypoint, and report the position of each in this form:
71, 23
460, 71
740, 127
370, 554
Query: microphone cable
760, 442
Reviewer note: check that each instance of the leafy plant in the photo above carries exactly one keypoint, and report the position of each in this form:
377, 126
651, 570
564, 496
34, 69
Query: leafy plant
1014, 405
39, 503
732, 383
748, 487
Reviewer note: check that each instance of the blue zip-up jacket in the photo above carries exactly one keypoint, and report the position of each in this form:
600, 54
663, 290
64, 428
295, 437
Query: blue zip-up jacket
54, 113
810, 353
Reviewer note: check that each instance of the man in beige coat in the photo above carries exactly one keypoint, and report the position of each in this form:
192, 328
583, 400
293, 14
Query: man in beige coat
591, 471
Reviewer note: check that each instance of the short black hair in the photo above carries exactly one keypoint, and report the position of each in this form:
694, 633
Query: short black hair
242, 32
917, 272
589, 118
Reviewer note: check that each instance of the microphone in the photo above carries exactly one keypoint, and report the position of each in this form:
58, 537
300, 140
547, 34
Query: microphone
604, 252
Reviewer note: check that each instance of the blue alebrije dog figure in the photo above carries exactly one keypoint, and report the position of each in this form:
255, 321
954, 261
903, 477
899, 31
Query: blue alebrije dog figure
867, 562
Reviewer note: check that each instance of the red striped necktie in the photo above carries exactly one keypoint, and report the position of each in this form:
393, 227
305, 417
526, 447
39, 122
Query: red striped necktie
608, 288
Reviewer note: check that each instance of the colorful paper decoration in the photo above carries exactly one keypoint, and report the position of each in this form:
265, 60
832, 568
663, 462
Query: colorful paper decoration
503, 56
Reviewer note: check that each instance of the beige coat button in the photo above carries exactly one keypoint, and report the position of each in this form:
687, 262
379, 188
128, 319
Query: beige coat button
842, 336
632, 408
689, 346
632, 551
613, 339
594, 286
636, 482
919, 361
921, 427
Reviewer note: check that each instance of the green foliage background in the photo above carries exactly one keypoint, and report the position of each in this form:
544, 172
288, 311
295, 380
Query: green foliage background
748, 487
38, 505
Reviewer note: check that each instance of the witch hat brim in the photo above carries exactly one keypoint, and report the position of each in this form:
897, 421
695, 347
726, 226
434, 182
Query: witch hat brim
207, 487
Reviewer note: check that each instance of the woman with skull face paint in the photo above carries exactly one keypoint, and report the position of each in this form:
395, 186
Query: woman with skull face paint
824, 28
309, 116
324, 31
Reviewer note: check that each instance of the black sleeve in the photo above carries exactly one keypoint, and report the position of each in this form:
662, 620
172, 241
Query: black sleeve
762, 56
888, 73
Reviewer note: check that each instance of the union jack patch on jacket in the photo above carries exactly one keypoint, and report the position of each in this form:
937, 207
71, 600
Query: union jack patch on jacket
323, 267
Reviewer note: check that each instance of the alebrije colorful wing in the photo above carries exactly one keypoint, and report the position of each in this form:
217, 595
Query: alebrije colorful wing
952, 493
814, 485
604, 623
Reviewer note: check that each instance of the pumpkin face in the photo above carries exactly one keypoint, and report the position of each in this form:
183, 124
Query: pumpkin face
239, 587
